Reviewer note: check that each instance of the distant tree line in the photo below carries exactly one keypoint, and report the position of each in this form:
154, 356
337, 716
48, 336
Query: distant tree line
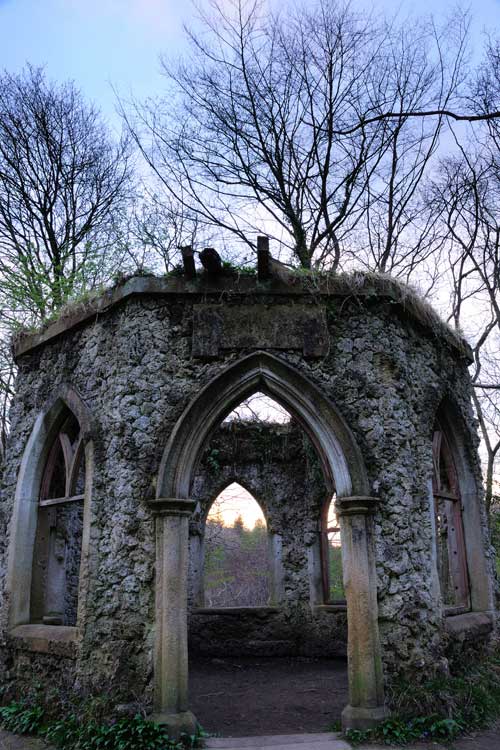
237, 566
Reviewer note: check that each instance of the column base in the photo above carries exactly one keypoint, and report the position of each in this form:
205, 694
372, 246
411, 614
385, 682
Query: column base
357, 717
176, 724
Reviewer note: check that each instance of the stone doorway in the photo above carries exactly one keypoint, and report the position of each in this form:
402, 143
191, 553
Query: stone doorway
267, 642
343, 470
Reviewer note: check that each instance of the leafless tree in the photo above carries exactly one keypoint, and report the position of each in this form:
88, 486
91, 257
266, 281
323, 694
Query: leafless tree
259, 408
467, 199
61, 177
152, 231
290, 122
399, 231
485, 94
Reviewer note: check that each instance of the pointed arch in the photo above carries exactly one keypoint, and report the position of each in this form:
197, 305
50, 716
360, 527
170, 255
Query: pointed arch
23, 524
220, 487
240, 485
449, 420
449, 416
339, 454
237, 567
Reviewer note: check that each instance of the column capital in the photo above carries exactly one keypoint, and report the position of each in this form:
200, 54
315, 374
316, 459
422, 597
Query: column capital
172, 506
356, 505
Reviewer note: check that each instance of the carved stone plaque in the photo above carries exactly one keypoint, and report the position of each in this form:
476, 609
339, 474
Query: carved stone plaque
217, 327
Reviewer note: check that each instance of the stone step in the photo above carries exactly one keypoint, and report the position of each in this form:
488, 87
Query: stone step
317, 741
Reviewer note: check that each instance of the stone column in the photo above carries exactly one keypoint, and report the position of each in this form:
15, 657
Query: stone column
366, 685
171, 654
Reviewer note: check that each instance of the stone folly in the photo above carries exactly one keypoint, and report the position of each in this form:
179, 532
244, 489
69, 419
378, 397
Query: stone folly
106, 486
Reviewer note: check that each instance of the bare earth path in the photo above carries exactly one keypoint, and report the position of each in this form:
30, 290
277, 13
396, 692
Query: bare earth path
240, 697
14, 742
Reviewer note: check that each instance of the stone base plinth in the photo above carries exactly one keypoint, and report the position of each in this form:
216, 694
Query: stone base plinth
176, 724
354, 717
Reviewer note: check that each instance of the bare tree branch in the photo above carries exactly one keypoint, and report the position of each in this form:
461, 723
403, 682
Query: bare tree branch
61, 178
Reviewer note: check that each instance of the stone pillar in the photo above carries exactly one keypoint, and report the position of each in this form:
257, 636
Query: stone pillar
171, 653
366, 685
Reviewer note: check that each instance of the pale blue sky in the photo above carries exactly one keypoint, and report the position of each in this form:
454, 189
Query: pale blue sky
99, 43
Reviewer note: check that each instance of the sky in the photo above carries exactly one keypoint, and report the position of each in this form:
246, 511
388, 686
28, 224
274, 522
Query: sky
236, 501
106, 44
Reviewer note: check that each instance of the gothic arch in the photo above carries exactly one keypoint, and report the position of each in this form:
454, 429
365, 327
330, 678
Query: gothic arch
339, 454
24, 517
344, 470
220, 487
450, 418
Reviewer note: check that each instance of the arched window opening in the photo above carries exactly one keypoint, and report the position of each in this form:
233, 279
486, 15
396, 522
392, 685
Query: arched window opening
236, 569
331, 552
58, 541
450, 544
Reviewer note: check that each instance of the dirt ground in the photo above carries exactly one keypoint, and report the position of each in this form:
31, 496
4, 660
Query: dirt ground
487, 740
255, 696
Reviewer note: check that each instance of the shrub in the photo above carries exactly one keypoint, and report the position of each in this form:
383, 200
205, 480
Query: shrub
125, 734
440, 708
21, 719
72, 733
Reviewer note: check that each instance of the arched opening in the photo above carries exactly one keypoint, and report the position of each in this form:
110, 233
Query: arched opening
260, 488
237, 569
343, 470
460, 563
450, 542
58, 539
50, 523
338, 452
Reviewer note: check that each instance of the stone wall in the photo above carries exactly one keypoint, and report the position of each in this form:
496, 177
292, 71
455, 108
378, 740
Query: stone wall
279, 466
139, 357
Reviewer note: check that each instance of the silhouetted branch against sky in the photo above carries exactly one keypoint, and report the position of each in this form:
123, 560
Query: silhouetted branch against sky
305, 121
483, 117
355, 136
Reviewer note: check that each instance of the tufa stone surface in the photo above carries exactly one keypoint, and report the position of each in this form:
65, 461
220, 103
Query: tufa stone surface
131, 359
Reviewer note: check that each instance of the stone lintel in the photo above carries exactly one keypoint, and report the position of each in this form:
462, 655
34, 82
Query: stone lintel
328, 287
218, 327
172, 506
356, 505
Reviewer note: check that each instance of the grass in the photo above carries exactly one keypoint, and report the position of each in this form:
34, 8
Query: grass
441, 708
437, 709
358, 285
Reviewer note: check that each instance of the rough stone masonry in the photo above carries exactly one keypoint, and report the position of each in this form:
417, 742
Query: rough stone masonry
136, 364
